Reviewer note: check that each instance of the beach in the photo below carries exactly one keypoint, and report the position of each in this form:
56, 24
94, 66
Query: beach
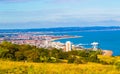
64, 37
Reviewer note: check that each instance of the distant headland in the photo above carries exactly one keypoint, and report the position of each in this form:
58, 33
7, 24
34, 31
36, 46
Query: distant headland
64, 29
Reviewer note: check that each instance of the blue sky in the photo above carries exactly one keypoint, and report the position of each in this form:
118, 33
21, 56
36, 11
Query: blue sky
58, 13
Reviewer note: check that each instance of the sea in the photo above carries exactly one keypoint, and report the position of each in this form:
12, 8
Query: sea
108, 40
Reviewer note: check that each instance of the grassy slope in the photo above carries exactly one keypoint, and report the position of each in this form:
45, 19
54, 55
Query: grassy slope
9, 67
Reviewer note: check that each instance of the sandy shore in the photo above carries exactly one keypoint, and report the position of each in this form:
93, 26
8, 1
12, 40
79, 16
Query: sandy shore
107, 52
66, 37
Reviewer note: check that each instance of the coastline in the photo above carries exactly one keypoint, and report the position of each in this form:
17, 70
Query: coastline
66, 38
104, 52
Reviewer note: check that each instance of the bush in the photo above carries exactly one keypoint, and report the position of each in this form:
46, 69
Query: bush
117, 64
71, 59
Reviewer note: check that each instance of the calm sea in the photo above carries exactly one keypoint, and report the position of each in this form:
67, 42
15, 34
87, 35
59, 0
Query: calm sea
108, 40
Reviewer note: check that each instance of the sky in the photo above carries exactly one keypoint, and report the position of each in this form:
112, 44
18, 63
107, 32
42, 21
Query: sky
19, 14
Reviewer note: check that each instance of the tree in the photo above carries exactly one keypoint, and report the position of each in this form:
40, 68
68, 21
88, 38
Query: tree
31, 55
19, 56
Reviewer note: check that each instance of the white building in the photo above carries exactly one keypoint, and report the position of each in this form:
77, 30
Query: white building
95, 45
68, 46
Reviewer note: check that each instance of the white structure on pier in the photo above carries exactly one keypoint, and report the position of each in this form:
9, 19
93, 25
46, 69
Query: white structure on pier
95, 45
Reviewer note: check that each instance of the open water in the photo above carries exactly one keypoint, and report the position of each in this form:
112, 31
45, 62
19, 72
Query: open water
108, 40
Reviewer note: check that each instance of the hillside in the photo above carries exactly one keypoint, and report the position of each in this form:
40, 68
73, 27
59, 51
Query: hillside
26, 59
9, 67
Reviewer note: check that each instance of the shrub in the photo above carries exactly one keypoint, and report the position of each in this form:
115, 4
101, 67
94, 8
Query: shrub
117, 64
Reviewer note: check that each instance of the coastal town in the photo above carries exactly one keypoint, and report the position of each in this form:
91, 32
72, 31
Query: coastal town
41, 40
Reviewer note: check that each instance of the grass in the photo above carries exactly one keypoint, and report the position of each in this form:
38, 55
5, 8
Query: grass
10, 67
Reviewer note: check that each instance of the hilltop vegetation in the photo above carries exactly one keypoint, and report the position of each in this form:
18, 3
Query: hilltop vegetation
54, 61
33, 54
9, 67
29, 53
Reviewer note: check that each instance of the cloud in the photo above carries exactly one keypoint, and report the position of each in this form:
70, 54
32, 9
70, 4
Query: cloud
15, 0
67, 1
58, 16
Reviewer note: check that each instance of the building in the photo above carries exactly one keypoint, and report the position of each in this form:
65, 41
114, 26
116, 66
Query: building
68, 46
94, 45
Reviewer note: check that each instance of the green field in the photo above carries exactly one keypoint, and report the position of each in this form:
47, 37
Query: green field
10, 67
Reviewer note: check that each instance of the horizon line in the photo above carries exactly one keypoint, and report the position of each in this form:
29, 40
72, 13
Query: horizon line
55, 27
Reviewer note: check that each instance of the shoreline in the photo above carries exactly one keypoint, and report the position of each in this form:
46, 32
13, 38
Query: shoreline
105, 52
69, 37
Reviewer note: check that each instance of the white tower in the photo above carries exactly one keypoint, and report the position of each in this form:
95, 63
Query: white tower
68, 46
95, 45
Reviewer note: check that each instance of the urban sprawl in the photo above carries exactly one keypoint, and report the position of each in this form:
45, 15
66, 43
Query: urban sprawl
41, 40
